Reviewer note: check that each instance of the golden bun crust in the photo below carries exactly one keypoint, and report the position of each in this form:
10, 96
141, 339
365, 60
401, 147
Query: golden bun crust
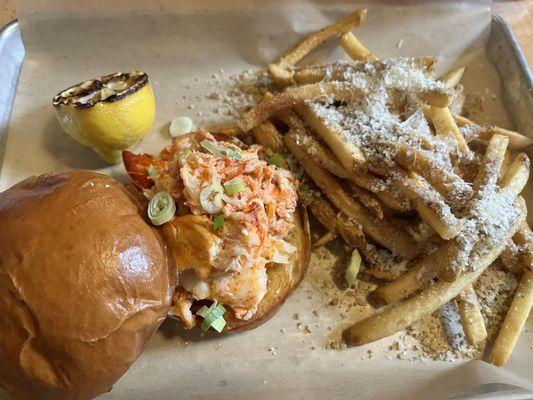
84, 283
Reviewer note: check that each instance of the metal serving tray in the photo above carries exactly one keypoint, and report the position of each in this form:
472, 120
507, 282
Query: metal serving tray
502, 49
11, 57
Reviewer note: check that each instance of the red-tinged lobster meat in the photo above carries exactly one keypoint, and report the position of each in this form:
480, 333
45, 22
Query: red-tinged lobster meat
137, 168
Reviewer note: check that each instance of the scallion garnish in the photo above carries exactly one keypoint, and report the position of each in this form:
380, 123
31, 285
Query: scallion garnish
161, 208
182, 155
213, 317
221, 151
218, 324
353, 268
234, 186
218, 222
276, 159
211, 198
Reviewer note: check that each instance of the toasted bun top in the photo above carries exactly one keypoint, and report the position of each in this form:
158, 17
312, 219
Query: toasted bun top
84, 283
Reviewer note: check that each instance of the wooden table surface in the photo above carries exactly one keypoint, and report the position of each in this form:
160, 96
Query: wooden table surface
518, 13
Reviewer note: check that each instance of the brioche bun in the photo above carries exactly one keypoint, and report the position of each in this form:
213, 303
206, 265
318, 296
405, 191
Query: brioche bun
84, 283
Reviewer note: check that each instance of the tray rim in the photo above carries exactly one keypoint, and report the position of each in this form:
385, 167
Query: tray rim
11, 27
515, 46
7, 25
495, 19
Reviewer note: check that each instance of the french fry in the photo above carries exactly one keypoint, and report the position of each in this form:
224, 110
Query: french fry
395, 203
355, 49
327, 159
453, 77
426, 302
269, 137
445, 125
447, 183
325, 239
471, 318
516, 176
320, 153
294, 95
332, 221
373, 264
511, 258
517, 141
280, 72
436, 97
368, 200
489, 170
514, 321
350, 231
350, 156
486, 178
291, 119
431, 206
416, 278
458, 100
505, 165
524, 239
340, 71
227, 130
324, 213
382, 232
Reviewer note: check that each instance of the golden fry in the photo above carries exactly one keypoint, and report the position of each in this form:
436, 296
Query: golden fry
368, 200
517, 174
517, 141
431, 206
489, 170
338, 71
453, 77
269, 137
447, 183
350, 156
280, 70
445, 125
268, 106
355, 49
471, 318
514, 321
325, 239
382, 232
404, 314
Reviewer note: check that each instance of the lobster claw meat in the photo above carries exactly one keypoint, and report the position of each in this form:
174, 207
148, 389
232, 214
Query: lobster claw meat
137, 168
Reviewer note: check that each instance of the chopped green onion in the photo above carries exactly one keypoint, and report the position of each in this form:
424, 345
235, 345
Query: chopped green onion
233, 153
218, 324
353, 268
210, 147
180, 126
182, 155
234, 186
213, 317
161, 208
203, 312
276, 159
218, 222
211, 198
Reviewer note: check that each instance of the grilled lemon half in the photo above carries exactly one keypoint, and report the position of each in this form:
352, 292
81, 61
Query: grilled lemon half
109, 114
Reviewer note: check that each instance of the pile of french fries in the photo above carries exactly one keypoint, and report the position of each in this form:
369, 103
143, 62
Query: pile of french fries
355, 203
